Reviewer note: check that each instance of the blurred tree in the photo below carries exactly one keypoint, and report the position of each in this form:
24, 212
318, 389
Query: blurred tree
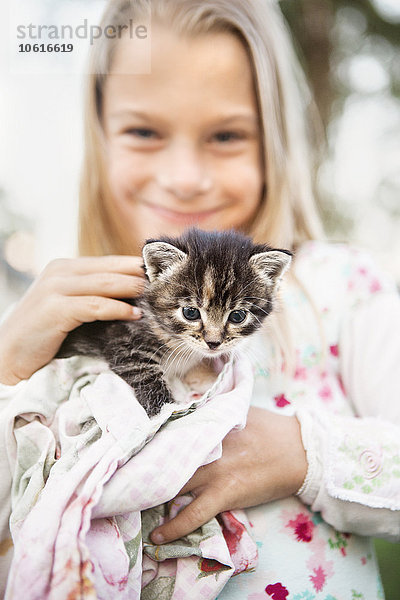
314, 25
350, 51
311, 22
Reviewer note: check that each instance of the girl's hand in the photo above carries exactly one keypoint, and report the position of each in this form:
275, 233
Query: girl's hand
67, 293
263, 462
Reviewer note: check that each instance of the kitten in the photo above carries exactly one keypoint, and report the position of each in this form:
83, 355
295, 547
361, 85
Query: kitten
206, 291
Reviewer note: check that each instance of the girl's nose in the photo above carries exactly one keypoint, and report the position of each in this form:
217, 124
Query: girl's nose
182, 172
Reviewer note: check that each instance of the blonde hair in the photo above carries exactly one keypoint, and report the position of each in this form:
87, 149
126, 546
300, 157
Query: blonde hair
287, 215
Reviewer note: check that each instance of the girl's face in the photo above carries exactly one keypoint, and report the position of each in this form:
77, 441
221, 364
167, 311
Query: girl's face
183, 142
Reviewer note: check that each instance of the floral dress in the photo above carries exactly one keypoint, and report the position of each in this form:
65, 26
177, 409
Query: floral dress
346, 368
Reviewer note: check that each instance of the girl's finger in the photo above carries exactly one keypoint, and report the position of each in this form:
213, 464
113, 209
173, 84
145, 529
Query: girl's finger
86, 309
201, 477
194, 515
107, 284
129, 265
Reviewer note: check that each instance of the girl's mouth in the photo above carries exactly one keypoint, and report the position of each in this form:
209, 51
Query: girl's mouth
185, 218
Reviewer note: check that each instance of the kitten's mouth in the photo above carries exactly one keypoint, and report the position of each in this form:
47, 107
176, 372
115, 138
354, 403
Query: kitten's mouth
216, 352
207, 352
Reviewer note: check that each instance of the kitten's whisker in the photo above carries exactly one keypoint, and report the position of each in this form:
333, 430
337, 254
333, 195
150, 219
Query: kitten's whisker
174, 359
262, 310
188, 358
155, 352
171, 357
181, 358
146, 364
257, 319
180, 347
185, 359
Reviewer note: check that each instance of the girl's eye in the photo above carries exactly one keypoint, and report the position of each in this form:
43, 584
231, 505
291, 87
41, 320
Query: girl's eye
227, 136
142, 132
237, 316
191, 314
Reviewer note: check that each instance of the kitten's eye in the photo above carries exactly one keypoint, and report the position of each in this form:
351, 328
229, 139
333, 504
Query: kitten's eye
191, 314
237, 316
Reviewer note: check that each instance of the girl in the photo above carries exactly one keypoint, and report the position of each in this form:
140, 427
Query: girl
215, 136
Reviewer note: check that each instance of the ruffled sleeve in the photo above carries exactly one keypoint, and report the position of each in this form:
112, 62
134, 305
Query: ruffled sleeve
354, 461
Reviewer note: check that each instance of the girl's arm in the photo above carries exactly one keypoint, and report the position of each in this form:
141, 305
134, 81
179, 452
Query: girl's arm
263, 462
354, 473
67, 293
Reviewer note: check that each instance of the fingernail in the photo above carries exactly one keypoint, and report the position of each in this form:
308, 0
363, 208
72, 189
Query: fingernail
136, 312
157, 538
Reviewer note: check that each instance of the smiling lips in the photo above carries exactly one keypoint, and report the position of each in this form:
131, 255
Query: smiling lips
185, 218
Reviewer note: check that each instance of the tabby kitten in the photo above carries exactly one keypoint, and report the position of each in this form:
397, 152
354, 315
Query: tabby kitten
206, 291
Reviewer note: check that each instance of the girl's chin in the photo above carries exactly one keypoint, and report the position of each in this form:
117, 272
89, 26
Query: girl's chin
156, 227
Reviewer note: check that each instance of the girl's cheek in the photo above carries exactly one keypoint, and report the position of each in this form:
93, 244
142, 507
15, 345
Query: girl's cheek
125, 174
245, 180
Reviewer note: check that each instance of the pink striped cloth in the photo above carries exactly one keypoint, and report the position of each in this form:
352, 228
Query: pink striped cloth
93, 476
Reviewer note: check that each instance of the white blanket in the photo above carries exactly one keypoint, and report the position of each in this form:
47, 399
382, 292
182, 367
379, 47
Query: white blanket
92, 474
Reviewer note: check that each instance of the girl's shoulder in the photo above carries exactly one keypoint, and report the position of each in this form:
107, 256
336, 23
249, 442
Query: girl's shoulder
339, 270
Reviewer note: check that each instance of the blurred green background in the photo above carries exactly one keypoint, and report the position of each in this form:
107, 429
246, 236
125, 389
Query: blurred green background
350, 50
335, 39
389, 564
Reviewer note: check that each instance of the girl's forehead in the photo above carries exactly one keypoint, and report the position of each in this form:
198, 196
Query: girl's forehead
207, 68
211, 50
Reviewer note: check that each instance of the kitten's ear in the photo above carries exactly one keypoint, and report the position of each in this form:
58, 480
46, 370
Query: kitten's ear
159, 256
271, 265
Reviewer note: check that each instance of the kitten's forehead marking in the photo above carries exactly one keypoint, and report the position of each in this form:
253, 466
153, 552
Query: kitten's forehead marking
208, 286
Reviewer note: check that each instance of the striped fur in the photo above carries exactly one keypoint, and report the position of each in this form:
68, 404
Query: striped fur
221, 275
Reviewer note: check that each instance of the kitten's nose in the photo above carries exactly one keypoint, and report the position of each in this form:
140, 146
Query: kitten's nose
213, 345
